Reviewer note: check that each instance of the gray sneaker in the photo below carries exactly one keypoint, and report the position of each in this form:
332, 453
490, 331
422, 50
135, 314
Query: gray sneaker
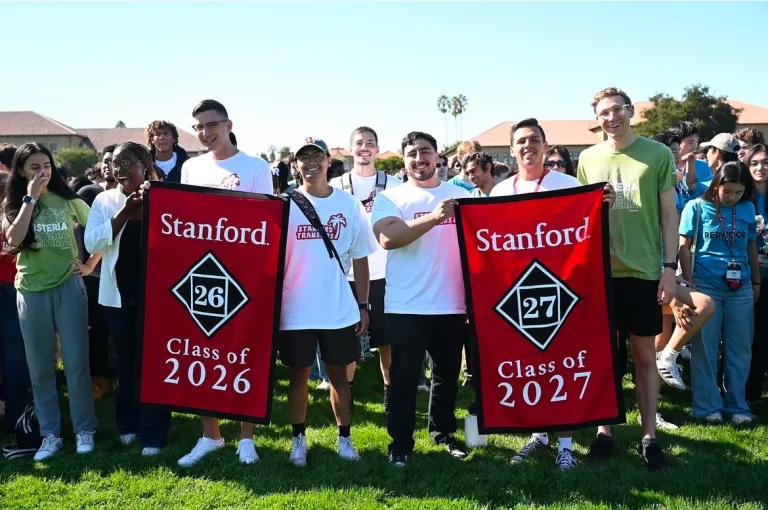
533, 445
565, 461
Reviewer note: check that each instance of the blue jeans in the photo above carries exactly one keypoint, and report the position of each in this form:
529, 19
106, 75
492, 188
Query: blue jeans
318, 368
151, 423
13, 361
734, 322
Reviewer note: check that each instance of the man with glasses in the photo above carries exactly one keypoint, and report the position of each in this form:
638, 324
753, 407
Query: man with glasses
643, 174
365, 183
223, 167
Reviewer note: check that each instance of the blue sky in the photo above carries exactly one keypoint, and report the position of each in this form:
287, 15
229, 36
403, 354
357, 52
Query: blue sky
290, 70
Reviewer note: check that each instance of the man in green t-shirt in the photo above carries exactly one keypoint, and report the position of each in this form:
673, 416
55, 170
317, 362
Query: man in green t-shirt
643, 173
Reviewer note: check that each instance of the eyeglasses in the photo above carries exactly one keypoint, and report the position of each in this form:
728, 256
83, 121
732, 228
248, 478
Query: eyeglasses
616, 111
317, 157
552, 164
122, 164
210, 126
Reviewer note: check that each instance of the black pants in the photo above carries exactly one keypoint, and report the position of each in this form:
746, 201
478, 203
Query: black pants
98, 332
442, 337
759, 366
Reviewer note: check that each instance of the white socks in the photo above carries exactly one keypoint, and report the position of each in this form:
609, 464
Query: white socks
564, 443
669, 355
542, 436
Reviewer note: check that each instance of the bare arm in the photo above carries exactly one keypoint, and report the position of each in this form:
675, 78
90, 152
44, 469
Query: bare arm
17, 231
754, 263
362, 278
669, 223
393, 233
690, 170
686, 258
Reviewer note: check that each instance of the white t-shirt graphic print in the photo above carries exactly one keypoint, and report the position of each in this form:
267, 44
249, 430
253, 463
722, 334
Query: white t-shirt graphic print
550, 182
364, 188
423, 278
241, 172
316, 294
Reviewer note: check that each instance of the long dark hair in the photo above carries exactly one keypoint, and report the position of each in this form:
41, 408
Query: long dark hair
734, 171
563, 153
16, 188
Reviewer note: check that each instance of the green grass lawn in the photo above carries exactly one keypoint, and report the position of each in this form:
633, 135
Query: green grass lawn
714, 466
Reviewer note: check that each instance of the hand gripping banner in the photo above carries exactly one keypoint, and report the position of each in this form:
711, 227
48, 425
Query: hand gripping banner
537, 277
213, 276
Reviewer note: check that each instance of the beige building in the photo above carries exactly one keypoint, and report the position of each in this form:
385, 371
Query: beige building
21, 127
577, 135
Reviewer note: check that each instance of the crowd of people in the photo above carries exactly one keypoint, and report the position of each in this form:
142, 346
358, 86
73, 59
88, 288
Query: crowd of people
688, 256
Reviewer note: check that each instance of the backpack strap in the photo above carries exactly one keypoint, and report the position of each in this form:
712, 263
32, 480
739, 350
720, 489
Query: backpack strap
310, 213
346, 185
381, 186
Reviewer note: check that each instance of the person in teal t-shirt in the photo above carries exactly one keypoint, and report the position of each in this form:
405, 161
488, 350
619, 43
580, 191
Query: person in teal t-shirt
756, 160
722, 263
40, 213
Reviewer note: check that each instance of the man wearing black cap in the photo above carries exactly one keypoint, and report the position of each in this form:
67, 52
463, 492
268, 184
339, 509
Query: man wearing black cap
318, 305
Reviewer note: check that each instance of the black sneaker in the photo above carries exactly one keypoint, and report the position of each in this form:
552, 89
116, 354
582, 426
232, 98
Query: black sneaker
601, 448
453, 447
653, 455
398, 459
533, 445
13, 449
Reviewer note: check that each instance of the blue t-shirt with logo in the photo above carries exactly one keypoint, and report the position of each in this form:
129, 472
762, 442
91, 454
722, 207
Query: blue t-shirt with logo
762, 237
712, 252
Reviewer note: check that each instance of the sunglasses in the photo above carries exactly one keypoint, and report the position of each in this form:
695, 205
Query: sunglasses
552, 164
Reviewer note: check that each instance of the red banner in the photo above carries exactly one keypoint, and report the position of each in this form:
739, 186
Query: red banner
537, 277
213, 271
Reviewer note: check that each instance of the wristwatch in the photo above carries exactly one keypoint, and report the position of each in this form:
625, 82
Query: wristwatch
364, 306
670, 265
29, 200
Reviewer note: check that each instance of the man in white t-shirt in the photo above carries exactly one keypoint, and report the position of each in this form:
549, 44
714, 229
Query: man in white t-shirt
223, 167
424, 300
528, 146
364, 182
319, 307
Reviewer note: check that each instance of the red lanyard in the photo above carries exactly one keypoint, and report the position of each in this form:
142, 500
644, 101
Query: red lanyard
729, 240
538, 184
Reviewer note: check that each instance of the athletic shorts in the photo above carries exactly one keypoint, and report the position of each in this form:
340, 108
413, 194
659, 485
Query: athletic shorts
298, 348
636, 306
378, 327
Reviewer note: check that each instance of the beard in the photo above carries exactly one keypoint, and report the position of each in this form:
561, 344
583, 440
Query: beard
423, 175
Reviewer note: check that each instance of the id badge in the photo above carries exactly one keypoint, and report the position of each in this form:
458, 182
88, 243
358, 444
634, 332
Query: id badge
733, 275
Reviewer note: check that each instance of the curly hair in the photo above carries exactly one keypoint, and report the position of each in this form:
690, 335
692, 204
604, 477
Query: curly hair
156, 126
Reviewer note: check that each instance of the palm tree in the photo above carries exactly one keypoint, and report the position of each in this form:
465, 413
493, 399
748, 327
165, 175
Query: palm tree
444, 104
459, 106
271, 150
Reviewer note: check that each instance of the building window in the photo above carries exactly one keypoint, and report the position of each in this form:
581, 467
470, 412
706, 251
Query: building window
53, 147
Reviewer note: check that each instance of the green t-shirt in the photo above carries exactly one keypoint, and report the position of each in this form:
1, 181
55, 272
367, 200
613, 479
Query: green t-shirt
53, 262
639, 174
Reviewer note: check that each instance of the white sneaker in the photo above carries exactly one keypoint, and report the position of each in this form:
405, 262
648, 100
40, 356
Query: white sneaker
150, 451
670, 373
661, 423
716, 417
203, 447
324, 386
741, 419
127, 439
299, 450
246, 450
84, 441
51, 445
346, 449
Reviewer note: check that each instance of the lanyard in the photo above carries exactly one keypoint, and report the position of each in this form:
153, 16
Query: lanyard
729, 240
538, 184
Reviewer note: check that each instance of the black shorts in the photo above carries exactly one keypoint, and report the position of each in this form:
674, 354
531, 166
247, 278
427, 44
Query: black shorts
636, 306
378, 327
298, 348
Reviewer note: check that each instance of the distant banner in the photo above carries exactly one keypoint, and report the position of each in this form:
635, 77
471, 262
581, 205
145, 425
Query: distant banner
537, 278
213, 274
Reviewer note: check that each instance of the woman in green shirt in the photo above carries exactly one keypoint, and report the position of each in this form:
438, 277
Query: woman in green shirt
40, 213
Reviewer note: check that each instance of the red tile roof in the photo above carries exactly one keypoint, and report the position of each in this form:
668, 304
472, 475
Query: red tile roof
31, 124
108, 136
338, 151
389, 154
559, 132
